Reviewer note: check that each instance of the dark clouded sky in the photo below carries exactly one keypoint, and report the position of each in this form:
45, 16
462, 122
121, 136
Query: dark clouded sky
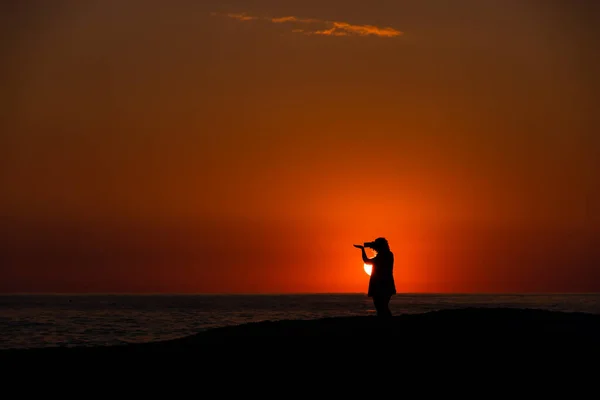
244, 146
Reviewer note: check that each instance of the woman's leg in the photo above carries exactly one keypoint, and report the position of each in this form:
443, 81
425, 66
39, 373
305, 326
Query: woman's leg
377, 304
382, 306
386, 306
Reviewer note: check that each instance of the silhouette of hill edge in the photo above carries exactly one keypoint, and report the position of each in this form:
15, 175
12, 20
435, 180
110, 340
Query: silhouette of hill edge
470, 327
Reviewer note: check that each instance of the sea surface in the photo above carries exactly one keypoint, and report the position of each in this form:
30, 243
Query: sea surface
28, 321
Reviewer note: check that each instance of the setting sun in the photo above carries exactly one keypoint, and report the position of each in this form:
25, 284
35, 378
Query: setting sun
368, 269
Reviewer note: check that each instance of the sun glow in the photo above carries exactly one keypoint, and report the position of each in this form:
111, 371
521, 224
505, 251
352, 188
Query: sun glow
368, 269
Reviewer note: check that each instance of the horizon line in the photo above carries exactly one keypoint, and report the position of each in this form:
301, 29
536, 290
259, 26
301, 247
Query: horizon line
284, 293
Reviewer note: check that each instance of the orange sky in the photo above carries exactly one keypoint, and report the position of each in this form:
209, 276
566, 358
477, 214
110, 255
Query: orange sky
150, 146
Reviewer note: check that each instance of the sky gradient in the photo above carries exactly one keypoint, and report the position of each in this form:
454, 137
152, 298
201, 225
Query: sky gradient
244, 146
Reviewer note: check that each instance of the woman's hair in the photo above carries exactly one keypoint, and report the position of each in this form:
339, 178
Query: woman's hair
381, 244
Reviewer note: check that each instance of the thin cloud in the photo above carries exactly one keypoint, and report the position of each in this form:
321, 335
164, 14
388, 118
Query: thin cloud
242, 17
328, 28
281, 20
329, 32
365, 30
284, 19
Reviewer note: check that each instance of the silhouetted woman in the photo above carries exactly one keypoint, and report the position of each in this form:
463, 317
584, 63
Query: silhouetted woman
381, 284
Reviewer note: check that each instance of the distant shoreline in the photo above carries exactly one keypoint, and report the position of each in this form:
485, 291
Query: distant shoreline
308, 294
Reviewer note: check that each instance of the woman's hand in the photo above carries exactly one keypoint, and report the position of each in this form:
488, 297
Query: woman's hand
359, 246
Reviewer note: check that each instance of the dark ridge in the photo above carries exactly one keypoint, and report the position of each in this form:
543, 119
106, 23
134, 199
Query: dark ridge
470, 328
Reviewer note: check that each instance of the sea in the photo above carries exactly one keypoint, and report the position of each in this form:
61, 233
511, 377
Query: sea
32, 321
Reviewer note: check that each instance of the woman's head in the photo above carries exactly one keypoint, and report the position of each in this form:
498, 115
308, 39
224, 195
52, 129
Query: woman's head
379, 245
